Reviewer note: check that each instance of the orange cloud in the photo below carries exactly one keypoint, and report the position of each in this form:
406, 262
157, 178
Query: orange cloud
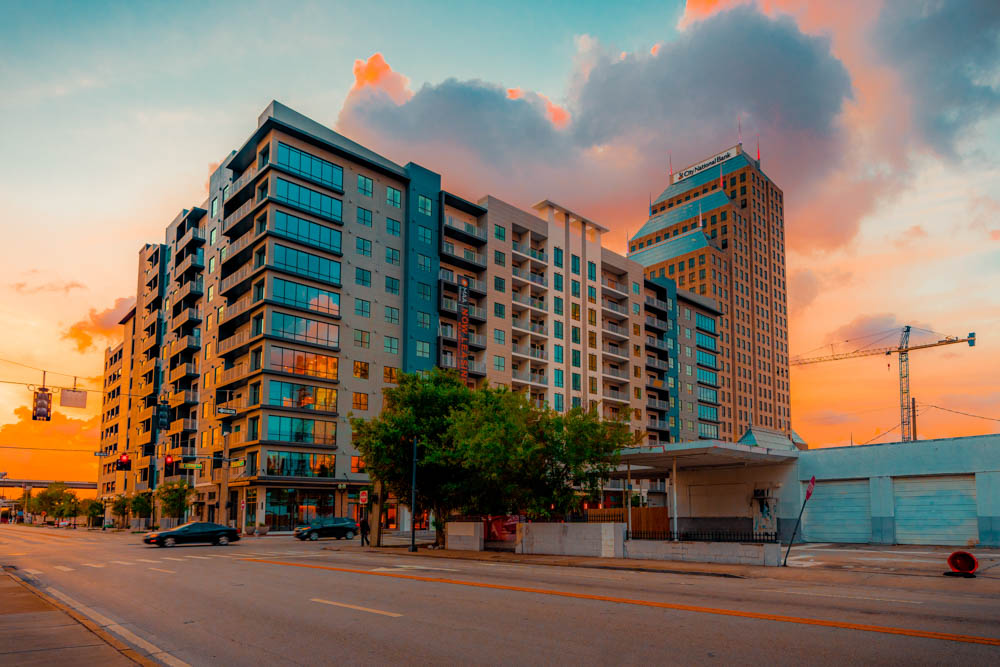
103, 324
656, 49
61, 433
557, 115
22, 287
376, 74
515, 93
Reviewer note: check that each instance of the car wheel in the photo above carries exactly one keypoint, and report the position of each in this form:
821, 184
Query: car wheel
313, 537
169, 542
222, 540
349, 534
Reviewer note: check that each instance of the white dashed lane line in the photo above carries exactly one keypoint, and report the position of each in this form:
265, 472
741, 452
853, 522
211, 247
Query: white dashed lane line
64, 568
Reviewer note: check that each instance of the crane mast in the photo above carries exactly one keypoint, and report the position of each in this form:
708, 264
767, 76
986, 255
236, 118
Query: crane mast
905, 413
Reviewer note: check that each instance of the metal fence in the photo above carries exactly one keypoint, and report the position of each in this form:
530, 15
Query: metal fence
704, 536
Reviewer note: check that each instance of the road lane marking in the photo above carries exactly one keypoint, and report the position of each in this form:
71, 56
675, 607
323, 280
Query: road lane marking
159, 570
127, 635
33, 572
863, 627
404, 568
64, 568
352, 606
198, 557
146, 560
876, 551
90, 565
831, 595
122, 562
179, 560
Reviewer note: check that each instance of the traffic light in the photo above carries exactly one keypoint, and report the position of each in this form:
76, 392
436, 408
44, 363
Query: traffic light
162, 416
168, 465
169, 459
123, 462
42, 408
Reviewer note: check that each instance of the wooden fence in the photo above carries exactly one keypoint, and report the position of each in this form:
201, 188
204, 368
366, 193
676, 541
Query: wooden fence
643, 518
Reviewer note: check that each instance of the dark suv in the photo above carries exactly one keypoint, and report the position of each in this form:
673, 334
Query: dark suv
338, 527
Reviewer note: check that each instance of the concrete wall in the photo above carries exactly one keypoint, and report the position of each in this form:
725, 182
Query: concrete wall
464, 535
605, 540
705, 552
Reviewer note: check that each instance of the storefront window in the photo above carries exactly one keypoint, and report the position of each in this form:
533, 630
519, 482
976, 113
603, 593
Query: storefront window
300, 464
287, 508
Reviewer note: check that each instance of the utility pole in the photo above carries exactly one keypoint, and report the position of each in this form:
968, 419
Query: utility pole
413, 500
913, 411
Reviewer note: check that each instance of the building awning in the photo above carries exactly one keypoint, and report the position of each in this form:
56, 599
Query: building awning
656, 461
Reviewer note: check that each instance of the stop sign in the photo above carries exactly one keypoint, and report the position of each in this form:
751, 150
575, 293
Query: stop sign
812, 485
364, 497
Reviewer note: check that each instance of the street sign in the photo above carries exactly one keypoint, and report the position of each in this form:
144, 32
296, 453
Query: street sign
226, 411
238, 463
102, 453
191, 466
363, 497
809, 489
798, 522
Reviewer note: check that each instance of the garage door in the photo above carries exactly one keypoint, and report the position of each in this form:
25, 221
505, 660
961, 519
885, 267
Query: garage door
838, 512
936, 510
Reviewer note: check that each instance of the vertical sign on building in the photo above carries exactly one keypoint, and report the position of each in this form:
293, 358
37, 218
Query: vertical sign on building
463, 328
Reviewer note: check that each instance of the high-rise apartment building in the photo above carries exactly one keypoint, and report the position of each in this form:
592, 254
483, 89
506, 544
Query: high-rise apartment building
116, 402
316, 271
718, 230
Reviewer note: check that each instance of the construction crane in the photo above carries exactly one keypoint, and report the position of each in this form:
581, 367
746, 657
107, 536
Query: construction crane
906, 407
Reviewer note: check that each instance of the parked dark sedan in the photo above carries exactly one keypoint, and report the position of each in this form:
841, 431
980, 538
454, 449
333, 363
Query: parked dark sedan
195, 531
328, 527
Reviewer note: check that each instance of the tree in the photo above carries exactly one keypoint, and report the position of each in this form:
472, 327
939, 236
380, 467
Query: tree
68, 507
49, 500
175, 497
93, 510
142, 504
419, 407
120, 508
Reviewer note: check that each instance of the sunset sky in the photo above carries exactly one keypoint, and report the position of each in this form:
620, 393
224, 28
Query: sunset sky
880, 121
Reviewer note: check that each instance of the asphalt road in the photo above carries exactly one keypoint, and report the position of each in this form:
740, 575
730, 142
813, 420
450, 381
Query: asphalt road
276, 600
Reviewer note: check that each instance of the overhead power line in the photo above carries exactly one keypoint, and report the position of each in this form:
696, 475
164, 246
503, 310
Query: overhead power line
47, 449
959, 412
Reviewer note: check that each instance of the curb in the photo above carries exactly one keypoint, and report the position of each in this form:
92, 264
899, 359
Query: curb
115, 643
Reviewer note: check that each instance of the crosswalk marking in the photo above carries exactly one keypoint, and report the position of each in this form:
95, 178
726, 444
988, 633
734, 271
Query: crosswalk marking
64, 568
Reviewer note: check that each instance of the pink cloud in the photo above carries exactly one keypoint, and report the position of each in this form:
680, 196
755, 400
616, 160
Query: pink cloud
376, 74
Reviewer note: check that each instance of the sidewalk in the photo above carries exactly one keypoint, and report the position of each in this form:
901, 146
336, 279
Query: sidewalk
919, 580
38, 630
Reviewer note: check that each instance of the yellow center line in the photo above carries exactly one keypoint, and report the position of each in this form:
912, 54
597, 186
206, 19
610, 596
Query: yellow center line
906, 632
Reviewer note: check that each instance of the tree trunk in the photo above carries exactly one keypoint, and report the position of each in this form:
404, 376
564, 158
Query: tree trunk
439, 537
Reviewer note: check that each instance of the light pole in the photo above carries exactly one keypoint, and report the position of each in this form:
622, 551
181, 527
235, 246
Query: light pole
413, 500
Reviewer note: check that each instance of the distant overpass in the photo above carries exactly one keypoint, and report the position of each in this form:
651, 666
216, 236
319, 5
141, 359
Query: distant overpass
44, 483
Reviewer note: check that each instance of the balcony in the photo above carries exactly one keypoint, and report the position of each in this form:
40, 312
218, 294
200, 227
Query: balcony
242, 181
616, 351
194, 260
182, 425
616, 373
656, 303
185, 343
234, 374
657, 323
614, 330
529, 301
464, 257
529, 252
658, 343
657, 404
146, 412
237, 278
148, 342
617, 289
238, 340
186, 397
193, 236
449, 277
147, 366
182, 371
449, 305
658, 425
195, 287
237, 215
655, 383
614, 307
530, 352
527, 325
531, 378
186, 316
659, 364
464, 231
617, 396
528, 276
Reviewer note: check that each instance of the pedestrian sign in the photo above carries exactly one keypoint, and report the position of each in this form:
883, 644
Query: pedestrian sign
191, 466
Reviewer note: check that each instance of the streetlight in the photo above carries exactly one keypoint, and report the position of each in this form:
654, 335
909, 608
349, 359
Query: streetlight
413, 500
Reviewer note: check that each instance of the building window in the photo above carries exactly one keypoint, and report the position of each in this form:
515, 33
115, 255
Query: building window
557, 377
423, 320
557, 330
357, 464
392, 227
499, 258
391, 315
576, 334
591, 271
215, 206
576, 358
499, 363
361, 370
393, 197
423, 349
559, 405
211, 264
392, 285
362, 338
575, 264
392, 256
423, 204
499, 233
359, 401
557, 256
365, 185
364, 217
499, 310
423, 234
557, 305
499, 284
499, 336
575, 288
423, 262
212, 235
390, 374
364, 246
557, 281
391, 345
576, 386
307, 165
424, 291
362, 277
557, 353
306, 231
308, 199
362, 308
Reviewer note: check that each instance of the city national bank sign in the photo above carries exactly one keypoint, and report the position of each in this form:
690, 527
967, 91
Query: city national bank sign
717, 159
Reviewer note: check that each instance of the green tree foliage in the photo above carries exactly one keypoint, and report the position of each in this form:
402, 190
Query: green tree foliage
120, 507
142, 504
93, 510
175, 497
418, 407
50, 500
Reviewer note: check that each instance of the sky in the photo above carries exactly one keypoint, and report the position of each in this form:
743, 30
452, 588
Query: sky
880, 120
